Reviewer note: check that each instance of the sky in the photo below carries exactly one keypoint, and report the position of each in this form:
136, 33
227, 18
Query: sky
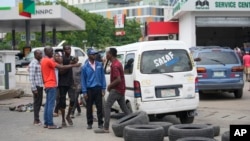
4, 3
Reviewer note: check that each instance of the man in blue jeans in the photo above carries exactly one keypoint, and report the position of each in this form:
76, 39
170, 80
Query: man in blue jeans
48, 66
93, 87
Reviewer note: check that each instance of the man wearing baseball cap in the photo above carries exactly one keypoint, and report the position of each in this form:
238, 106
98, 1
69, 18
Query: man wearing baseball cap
93, 87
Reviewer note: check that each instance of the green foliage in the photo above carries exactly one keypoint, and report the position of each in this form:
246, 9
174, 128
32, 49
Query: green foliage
99, 33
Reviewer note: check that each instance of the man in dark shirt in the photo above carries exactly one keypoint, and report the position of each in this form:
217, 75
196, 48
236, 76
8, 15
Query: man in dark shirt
65, 84
116, 89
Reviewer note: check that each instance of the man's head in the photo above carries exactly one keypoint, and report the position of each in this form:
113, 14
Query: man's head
111, 53
92, 54
48, 51
67, 50
58, 58
38, 54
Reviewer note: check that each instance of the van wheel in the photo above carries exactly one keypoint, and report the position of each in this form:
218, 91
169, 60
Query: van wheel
184, 118
238, 93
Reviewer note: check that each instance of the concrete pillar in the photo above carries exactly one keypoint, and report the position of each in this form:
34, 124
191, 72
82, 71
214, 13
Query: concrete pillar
27, 31
13, 39
43, 35
54, 36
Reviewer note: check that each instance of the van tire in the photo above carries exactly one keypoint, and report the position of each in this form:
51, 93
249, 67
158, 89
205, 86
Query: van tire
118, 115
225, 136
165, 126
238, 93
143, 133
190, 130
216, 129
195, 139
184, 118
131, 119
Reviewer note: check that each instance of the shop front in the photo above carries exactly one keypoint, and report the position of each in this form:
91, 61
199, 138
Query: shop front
213, 22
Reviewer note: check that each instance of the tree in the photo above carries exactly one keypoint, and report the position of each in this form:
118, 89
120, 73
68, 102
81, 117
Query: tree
99, 33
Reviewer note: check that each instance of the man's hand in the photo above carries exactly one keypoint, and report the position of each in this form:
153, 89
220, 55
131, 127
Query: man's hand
109, 88
103, 92
77, 65
85, 96
35, 92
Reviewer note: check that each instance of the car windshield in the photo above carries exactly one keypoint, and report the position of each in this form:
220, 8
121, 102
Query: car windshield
165, 61
217, 57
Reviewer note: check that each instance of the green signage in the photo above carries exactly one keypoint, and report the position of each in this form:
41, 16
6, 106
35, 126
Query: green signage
5, 8
231, 4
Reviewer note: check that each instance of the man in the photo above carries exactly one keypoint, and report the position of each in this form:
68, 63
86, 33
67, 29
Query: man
246, 62
77, 87
93, 87
36, 81
116, 89
48, 66
65, 86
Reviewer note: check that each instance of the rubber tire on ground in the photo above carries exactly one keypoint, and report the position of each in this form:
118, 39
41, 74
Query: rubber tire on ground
117, 115
143, 133
165, 126
131, 119
225, 136
216, 129
195, 139
190, 130
238, 93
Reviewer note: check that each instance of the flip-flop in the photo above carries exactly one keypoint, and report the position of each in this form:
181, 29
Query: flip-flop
54, 127
64, 124
45, 126
69, 120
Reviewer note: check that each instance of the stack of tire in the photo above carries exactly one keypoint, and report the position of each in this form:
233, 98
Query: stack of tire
192, 132
136, 127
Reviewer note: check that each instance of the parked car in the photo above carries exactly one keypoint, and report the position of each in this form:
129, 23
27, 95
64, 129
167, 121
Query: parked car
160, 79
75, 51
219, 69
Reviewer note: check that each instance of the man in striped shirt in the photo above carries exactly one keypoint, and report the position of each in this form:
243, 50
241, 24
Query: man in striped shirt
36, 81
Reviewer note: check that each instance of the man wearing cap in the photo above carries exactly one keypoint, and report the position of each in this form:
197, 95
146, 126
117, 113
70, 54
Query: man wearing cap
93, 87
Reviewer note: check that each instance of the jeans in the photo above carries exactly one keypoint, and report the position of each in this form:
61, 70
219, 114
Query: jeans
49, 106
37, 102
112, 97
76, 105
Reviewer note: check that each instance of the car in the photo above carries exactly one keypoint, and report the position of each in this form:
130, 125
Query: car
160, 79
75, 51
219, 69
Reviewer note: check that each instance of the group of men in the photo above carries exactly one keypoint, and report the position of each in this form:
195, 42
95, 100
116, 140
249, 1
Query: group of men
55, 76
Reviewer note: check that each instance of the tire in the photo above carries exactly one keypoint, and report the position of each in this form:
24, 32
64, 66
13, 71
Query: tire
143, 133
216, 129
118, 115
238, 93
225, 136
184, 118
190, 130
131, 119
165, 126
195, 139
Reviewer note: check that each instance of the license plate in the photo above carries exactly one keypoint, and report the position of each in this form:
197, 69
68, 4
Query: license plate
219, 74
167, 93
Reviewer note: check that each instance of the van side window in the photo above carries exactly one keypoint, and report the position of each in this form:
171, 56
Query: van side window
79, 53
129, 63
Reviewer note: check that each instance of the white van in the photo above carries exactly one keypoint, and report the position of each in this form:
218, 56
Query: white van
160, 79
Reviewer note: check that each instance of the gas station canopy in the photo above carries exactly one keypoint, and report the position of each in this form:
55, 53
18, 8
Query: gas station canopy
51, 16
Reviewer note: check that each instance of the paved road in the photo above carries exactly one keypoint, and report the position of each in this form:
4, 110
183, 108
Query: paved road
217, 109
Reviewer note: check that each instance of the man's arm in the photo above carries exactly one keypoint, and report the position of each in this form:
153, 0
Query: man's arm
63, 67
32, 71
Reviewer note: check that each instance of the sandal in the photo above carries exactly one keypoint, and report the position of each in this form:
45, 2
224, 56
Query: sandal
69, 120
54, 127
45, 126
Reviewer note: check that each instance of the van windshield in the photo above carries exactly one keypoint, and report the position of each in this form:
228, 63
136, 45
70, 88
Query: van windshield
165, 61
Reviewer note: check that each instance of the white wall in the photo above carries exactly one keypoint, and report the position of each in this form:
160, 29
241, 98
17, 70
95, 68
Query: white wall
187, 29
